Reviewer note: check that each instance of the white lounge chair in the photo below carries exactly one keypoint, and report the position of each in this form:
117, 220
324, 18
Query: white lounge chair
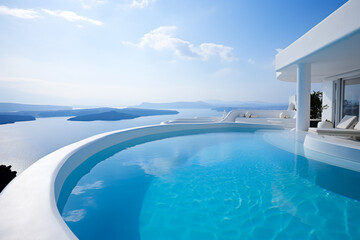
343, 129
347, 122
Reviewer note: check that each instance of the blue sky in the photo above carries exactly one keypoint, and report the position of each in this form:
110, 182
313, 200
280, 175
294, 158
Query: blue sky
124, 52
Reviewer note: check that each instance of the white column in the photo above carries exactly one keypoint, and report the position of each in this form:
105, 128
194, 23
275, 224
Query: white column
303, 96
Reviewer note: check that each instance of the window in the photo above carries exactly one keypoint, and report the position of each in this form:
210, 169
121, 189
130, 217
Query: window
350, 103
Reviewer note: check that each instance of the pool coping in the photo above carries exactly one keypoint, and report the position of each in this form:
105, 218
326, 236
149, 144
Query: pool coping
28, 205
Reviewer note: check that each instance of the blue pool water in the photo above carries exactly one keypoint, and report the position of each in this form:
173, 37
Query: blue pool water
231, 185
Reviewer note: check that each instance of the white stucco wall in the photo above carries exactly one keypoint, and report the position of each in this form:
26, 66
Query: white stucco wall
292, 102
327, 87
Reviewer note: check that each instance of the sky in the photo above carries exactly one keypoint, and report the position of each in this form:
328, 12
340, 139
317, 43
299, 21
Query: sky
124, 52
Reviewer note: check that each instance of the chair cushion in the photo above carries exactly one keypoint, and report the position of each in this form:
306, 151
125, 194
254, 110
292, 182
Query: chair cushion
248, 114
357, 126
283, 115
347, 122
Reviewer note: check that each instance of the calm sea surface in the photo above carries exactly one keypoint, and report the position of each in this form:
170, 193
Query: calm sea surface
23, 143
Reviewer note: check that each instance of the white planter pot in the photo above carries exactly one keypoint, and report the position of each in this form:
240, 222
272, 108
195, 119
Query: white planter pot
325, 125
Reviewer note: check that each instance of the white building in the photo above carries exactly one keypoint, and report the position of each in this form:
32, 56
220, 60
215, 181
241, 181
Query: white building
329, 54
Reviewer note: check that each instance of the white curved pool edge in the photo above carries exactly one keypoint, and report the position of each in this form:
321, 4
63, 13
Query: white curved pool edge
28, 207
330, 150
348, 153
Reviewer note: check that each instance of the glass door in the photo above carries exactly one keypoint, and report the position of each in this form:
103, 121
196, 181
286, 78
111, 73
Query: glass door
351, 97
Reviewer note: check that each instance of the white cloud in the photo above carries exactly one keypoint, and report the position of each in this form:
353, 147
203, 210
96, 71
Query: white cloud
31, 14
141, 3
212, 49
162, 39
75, 215
82, 189
91, 3
251, 61
71, 16
20, 13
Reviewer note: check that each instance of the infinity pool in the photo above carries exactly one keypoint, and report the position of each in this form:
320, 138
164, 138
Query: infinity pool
232, 185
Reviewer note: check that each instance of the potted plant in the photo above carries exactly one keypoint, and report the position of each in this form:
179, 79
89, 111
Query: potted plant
325, 124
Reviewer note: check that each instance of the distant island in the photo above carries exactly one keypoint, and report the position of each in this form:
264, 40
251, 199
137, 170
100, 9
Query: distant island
105, 116
4, 119
91, 114
126, 113
15, 112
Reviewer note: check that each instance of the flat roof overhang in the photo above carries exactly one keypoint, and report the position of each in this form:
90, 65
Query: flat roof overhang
332, 47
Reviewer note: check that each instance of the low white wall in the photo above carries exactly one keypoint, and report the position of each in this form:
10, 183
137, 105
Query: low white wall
194, 120
232, 115
28, 205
